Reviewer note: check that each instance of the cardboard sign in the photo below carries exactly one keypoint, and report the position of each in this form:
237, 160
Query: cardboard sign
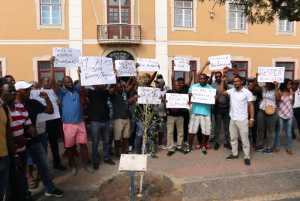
125, 68
177, 100
35, 94
149, 95
203, 95
270, 74
182, 64
66, 57
96, 70
150, 65
219, 62
297, 97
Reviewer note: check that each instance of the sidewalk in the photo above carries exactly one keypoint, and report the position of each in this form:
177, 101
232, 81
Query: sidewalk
201, 177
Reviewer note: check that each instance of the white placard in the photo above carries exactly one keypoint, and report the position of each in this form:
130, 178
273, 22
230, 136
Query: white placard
270, 74
297, 97
35, 94
203, 95
96, 70
66, 57
125, 68
148, 64
177, 100
182, 64
149, 95
219, 62
133, 162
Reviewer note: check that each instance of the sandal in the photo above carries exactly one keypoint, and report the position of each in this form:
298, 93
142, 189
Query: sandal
276, 150
289, 152
31, 184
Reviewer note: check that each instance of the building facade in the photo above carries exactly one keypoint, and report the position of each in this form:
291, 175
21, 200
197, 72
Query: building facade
131, 29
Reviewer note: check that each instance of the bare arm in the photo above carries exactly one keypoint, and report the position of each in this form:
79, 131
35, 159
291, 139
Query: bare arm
277, 94
222, 89
201, 71
236, 73
82, 88
209, 81
152, 77
173, 74
132, 85
49, 106
53, 83
190, 79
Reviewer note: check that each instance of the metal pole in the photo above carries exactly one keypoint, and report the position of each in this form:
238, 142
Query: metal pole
132, 186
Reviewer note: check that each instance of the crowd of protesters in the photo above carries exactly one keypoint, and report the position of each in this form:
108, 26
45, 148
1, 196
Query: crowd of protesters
248, 112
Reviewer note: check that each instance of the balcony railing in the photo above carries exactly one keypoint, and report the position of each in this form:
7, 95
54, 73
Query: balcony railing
119, 34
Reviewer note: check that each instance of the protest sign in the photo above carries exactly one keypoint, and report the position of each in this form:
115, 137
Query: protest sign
66, 57
149, 95
35, 94
148, 64
96, 70
203, 95
182, 64
177, 100
270, 74
297, 97
219, 62
125, 68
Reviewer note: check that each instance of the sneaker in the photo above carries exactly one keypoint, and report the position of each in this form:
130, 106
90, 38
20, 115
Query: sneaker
56, 193
259, 148
89, 170
180, 150
217, 146
228, 146
204, 151
267, 151
152, 155
247, 161
117, 157
74, 172
170, 153
109, 161
130, 149
212, 139
96, 166
198, 147
231, 157
207, 146
186, 143
162, 147
189, 150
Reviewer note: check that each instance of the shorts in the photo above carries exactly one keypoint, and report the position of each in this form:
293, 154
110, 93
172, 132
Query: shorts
74, 133
121, 128
203, 121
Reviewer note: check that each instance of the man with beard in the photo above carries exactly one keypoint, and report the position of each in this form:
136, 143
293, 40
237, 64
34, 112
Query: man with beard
73, 125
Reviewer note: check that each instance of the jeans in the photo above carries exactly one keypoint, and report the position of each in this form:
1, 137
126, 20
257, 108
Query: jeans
297, 117
4, 172
222, 114
43, 140
253, 130
288, 124
99, 128
39, 157
111, 130
269, 121
52, 128
132, 131
139, 138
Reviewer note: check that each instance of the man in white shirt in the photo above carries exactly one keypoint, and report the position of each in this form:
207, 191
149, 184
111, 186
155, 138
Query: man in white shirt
296, 106
240, 102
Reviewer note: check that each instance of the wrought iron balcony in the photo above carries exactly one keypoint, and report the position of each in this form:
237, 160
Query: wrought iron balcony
119, 34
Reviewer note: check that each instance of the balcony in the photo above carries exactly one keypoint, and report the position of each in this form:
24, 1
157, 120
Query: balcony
118, 34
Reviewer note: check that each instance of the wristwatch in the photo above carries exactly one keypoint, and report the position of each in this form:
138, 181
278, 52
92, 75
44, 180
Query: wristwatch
251, 119
17, 156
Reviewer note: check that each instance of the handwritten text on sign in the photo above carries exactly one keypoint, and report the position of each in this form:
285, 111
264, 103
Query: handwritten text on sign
148, 64
125, 68
177, 100
35, 94
149, 95
66, 57
219, 62
181, 64
96, 70
270, 74
203, 95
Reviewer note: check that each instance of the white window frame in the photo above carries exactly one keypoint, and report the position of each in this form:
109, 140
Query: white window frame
3, 64
287, 59
132, 9
248, 60
290, 33
194, 18
40, 26
228, 30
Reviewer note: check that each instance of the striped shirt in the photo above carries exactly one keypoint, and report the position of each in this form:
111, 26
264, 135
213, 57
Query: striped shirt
20, 118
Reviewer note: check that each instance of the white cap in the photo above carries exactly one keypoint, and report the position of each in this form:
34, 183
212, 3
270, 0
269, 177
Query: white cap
22, 85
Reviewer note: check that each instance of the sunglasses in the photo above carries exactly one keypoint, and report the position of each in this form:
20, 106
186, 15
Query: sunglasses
218, 76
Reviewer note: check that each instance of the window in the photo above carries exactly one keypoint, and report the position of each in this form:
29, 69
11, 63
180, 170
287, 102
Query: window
242, 67
289, 68
285, 25
114, 12
236, 16
183, 13
50, 14
185, 75
44, 71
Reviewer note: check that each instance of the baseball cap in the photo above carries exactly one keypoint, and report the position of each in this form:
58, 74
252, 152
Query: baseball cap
160, 81
22, 85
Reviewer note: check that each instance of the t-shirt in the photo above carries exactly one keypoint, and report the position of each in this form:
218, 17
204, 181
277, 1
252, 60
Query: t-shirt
201, 108
33, 108
71, 105
3, 122
216, 86
185, 89
176, 112
98, 102
20, 118
120, 105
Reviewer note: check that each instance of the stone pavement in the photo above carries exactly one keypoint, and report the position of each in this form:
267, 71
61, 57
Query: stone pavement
201, 177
